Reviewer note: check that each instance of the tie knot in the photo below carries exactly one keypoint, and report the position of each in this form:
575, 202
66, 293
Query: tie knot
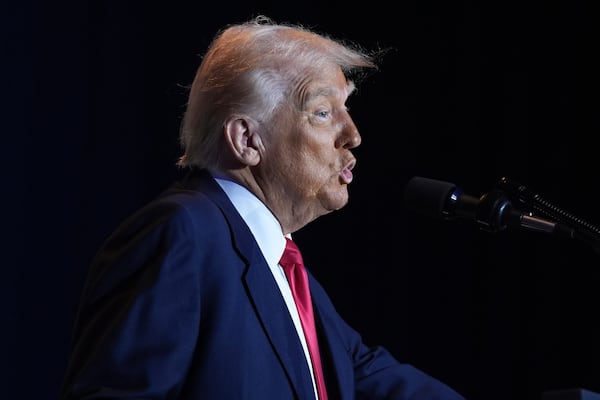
291, 254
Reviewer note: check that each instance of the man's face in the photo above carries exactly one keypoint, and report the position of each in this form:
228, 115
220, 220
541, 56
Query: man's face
308, 152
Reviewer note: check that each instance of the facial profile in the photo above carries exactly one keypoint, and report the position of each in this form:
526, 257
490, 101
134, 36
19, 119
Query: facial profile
308, 149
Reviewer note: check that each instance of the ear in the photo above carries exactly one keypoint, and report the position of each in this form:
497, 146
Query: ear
243, 140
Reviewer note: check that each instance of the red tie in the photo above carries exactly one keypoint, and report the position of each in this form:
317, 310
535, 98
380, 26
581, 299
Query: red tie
292, 264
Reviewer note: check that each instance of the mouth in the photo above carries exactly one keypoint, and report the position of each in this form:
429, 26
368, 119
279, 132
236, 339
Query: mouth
346, 175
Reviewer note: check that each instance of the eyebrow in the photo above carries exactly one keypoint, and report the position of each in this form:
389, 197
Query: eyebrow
329, 91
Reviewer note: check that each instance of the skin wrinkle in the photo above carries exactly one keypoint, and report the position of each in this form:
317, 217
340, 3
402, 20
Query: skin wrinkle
305, 153
334, 167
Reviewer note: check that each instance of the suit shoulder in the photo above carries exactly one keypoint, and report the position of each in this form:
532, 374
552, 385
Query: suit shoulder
177, 211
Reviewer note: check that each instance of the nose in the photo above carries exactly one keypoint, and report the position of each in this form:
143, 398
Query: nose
349, 137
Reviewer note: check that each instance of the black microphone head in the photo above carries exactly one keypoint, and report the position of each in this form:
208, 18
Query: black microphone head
428, 196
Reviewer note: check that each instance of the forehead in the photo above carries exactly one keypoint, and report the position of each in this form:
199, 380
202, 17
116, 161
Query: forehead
327, 85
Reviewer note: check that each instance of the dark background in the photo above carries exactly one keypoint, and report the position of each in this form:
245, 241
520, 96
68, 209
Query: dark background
92, 97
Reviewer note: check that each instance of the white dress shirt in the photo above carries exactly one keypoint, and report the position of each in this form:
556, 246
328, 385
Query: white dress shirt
271, 241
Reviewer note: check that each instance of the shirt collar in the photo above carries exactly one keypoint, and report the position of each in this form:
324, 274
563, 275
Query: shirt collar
264, 226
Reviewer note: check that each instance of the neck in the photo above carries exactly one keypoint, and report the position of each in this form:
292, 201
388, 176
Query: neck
292, 215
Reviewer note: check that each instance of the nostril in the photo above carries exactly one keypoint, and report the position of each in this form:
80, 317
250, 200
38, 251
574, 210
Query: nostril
348, 139
353, 141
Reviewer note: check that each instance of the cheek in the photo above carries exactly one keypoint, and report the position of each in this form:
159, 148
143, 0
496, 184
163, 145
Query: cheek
310, 158
317, 163
306, 169
306, 172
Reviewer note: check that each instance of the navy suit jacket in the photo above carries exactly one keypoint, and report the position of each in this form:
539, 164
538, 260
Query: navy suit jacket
179, 303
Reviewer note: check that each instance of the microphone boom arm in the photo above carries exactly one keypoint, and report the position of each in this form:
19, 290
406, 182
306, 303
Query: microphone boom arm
494, 211
566, 223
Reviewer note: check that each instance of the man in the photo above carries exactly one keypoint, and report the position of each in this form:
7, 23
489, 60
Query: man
188, 299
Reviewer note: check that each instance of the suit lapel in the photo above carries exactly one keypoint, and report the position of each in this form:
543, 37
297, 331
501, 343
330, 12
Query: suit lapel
261, 287
337, 371
279, 327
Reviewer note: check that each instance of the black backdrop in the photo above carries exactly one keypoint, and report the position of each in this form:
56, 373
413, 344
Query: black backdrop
93, 93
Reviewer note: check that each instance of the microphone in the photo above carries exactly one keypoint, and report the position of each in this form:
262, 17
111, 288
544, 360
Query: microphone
492, 211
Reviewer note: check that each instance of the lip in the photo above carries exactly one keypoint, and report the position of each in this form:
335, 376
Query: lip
346, 172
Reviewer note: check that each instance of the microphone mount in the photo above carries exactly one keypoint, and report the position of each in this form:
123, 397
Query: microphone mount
500, 208
493, 212
565, 223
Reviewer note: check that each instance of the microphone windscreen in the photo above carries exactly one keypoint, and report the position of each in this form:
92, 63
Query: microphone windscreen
428, 196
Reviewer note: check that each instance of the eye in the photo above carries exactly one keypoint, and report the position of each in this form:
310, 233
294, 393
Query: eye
323, 114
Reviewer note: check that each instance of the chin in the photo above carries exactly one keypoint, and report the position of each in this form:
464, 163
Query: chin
335, 201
